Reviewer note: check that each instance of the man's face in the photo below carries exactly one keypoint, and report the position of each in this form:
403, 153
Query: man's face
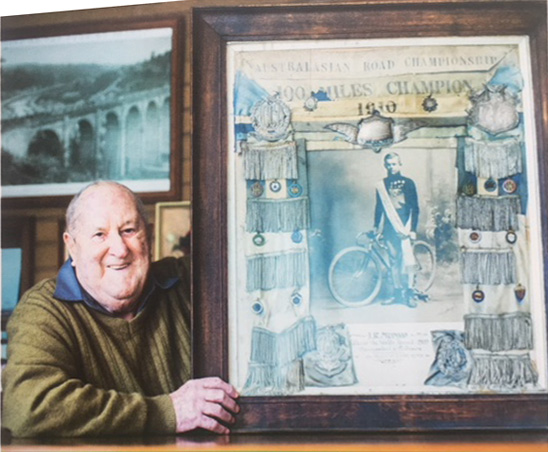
393, 166
109, 248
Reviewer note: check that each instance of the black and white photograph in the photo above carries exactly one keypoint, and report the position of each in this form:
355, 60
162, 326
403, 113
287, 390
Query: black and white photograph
76, 108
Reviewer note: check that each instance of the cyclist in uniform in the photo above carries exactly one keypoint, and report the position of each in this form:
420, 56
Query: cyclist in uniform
396, 217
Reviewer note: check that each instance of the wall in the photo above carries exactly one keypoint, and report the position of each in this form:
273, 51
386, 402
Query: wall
49, 221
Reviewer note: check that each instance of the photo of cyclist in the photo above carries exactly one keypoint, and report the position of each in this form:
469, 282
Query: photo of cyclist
396, 218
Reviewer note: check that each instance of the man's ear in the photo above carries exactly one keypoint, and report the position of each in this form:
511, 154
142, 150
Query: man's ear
69, 243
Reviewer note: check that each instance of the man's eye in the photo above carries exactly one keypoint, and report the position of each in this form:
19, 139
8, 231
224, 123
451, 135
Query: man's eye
129, 231
99, 235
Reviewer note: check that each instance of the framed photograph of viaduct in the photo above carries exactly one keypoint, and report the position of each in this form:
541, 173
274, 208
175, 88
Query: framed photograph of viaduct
90, 102
369, 181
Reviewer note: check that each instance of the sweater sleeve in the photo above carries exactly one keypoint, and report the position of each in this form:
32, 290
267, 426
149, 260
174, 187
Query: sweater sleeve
43, 391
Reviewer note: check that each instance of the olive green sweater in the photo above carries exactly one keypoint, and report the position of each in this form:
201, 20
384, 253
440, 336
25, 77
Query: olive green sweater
73, 371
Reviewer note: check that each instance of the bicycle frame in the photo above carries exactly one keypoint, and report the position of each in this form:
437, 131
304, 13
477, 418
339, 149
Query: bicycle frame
376, 246
374, 251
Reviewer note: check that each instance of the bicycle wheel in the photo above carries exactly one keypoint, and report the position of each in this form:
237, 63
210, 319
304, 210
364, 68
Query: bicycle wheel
355, 276
426, 266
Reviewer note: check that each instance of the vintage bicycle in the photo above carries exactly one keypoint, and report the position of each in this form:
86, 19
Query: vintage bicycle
357, 273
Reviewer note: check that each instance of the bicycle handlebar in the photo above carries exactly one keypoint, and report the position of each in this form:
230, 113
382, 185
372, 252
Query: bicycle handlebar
371, 235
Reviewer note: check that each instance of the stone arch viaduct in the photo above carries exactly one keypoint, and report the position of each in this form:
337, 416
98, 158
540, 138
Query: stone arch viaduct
122, 136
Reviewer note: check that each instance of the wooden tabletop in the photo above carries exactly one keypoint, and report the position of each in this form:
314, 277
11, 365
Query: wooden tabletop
322, 442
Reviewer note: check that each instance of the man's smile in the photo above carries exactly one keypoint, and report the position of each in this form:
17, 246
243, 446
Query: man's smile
118, 266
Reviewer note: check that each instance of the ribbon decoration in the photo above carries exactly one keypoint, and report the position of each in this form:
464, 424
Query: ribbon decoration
270, 160
492, 159
499, 332
488, 267
275, 271
488, 213
502, 372
275, 366
277, 215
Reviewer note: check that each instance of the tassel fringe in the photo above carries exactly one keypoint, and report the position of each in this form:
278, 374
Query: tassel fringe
488, 214
497, 333
488, 267
493, 159
272, 215
272, 380
282, 348
297, 340
263, 346
503, 371
270, 161
276, 366
277, 271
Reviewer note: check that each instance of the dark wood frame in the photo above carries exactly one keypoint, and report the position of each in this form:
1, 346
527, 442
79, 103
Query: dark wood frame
67, 28
212, 29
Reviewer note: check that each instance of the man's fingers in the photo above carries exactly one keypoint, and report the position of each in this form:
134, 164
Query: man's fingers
217, 383
221, 397
209, 423
206, 403
217, 411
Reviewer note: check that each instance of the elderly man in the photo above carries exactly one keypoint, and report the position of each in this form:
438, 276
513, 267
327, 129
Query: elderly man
105, 347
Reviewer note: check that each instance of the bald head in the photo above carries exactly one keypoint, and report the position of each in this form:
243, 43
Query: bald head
74, 209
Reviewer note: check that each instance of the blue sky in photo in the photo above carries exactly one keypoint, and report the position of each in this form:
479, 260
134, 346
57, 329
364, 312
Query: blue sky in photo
112, 48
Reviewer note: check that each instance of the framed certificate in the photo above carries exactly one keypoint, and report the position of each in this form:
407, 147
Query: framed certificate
372, 249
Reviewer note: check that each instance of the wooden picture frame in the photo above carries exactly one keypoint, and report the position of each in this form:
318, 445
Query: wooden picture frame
214, 30
127, 129
172, 229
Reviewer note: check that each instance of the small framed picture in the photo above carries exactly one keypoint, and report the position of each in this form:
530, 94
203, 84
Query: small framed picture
172, 229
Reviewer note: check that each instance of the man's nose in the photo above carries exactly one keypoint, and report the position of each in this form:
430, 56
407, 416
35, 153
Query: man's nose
117, 245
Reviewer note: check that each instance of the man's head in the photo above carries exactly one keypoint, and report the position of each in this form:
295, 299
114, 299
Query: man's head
392, 163
108, 242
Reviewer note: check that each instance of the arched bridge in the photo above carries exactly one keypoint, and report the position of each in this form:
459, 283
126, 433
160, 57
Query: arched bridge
120, 136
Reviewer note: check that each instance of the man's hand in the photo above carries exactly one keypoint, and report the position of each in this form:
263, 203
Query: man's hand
412, 235
203, 402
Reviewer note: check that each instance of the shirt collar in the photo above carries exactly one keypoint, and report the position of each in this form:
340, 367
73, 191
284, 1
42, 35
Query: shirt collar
69, 289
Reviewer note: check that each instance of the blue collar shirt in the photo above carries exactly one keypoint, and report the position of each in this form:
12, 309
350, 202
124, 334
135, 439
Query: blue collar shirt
69, 289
